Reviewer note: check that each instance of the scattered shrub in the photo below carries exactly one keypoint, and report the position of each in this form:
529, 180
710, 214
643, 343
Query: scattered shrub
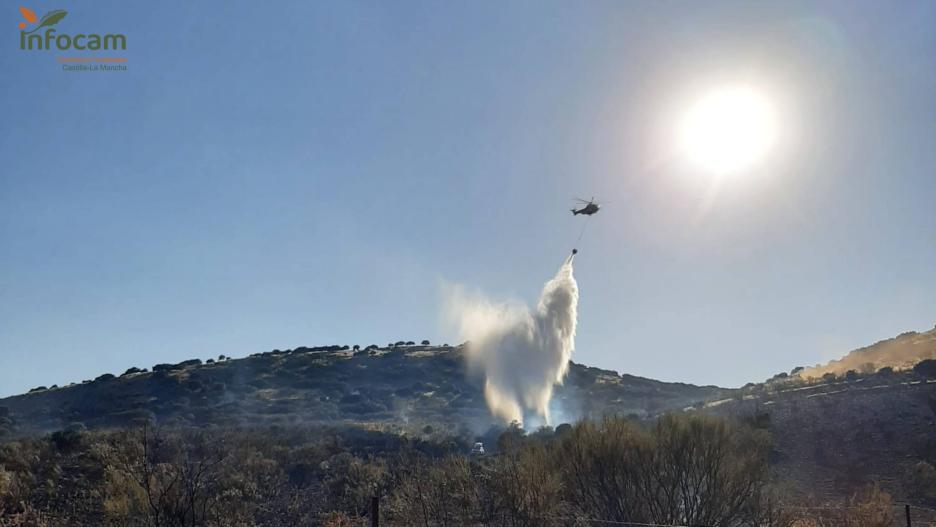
926, 368
187, 363
923, 481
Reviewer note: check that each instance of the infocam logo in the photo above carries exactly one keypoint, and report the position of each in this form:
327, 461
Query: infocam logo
34, 39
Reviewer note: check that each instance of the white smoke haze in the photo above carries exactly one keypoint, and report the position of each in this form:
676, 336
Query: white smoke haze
522, 353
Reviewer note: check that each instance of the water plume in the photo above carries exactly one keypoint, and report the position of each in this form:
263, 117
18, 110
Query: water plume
522, 353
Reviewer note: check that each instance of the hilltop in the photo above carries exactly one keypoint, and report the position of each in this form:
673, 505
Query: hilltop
900, 352
396, 387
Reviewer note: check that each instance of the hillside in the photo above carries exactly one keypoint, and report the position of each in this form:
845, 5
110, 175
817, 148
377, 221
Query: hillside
401, 387
900, 352
831, 438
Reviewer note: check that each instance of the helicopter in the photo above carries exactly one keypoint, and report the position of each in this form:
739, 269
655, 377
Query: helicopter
590, 207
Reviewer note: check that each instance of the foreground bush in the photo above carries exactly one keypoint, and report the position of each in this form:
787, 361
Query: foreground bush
685, 469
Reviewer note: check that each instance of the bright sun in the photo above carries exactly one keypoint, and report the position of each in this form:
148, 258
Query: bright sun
728, 130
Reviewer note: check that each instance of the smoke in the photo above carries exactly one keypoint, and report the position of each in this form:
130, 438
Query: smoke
522, 353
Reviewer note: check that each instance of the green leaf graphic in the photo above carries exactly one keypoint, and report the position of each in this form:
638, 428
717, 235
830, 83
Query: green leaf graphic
50, 19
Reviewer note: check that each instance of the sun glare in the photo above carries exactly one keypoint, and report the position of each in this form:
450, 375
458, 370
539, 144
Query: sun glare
728, 130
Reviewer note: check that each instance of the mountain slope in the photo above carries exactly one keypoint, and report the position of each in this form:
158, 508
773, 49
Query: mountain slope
900, 352
833, 437
404, 386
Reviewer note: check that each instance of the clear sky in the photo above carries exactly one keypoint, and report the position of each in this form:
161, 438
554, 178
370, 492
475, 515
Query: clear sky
272, 175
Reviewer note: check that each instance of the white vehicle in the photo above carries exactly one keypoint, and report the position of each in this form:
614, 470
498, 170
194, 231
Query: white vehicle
477, 449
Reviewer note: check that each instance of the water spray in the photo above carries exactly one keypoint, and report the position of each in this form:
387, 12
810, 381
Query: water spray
522, 352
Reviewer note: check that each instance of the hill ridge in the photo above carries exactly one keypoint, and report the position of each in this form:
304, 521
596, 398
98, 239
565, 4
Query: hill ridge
402, 386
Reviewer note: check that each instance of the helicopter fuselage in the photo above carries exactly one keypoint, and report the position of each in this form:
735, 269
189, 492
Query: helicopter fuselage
588, 210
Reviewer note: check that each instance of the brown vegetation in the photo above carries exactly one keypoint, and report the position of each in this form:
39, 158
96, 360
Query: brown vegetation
900, 352
683, 469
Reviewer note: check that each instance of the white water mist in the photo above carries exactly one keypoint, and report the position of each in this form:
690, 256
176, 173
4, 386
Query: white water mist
523, 353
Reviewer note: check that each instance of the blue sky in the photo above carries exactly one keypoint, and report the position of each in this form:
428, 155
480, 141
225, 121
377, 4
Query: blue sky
309, 173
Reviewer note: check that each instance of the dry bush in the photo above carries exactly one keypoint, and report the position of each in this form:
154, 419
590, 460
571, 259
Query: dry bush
603, 465
870, 507
527, 487
350, 482
923, 481
339, 519
162, 479
688, 469
7, 483
441, 492
518, 488
27, 516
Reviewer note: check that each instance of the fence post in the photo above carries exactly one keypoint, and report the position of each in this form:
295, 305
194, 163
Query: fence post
907, 510
375, 511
